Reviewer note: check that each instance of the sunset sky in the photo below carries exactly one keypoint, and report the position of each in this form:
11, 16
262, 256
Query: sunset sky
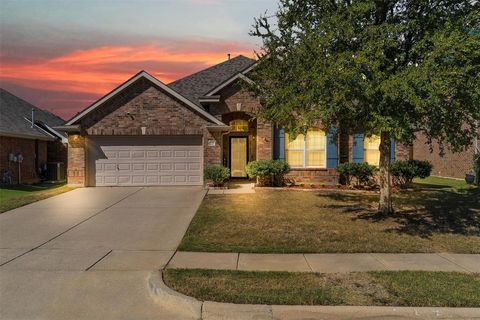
64, 55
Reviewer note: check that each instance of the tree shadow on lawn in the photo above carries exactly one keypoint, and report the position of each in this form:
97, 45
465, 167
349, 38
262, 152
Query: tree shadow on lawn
417, 213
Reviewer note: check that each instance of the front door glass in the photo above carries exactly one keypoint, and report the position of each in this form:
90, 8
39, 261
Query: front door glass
238, 153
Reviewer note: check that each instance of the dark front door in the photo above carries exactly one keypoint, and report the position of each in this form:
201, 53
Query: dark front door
238, 157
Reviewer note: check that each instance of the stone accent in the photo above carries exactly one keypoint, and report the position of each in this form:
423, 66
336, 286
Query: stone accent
310, 175
76, 160
451, 164
25, 147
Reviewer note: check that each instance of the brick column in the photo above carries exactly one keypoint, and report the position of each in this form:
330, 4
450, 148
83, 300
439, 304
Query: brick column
212, 146
264, 140
76, 160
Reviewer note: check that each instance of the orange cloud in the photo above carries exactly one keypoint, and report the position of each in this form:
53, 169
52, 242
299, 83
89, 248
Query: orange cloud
99, 70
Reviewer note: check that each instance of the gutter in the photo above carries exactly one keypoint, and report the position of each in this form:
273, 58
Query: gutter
25, 136
74, 128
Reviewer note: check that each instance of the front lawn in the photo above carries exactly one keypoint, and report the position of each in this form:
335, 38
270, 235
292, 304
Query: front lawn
429, 218
386, 288
12, 197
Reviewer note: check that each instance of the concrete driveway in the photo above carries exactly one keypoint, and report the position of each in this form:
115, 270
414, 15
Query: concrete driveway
87, 254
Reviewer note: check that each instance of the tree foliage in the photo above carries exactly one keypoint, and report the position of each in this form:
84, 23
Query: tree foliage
394, 68
397, 66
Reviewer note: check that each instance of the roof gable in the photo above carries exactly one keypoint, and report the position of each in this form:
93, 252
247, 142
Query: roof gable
16, 114
200, 83
155, 81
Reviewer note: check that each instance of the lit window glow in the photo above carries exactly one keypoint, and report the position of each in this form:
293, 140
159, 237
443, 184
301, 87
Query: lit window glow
239, 125
306, 151
371, 150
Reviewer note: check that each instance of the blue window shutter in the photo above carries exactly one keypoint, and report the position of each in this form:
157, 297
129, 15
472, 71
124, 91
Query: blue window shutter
332, 148
392, 151
358, 147
279, 144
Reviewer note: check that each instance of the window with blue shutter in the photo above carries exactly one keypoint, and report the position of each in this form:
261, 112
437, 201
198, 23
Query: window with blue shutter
332, 148
392, 151
278, 144
358, 147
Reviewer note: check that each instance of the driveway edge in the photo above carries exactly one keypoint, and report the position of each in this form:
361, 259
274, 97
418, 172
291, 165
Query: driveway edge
172, 300
208, 310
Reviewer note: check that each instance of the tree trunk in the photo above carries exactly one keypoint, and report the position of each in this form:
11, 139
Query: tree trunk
385, 206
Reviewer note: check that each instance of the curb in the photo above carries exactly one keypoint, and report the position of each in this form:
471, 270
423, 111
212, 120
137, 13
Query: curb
187, 307
191, 308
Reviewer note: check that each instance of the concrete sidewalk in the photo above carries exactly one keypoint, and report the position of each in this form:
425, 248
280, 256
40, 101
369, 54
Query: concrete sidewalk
327, 263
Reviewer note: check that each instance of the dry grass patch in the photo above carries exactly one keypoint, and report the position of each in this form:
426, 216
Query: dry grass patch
428, 219
386, 288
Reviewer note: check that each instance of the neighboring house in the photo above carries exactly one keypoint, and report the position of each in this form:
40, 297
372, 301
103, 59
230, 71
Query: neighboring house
33, 139
145, 132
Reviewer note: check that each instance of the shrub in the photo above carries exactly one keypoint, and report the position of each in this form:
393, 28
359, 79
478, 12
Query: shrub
268, 172
476, 168
358, 174
403, 172
217, 174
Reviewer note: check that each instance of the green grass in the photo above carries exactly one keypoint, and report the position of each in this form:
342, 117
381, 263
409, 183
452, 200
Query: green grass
437, 182
386, 288
12, 197
427, 219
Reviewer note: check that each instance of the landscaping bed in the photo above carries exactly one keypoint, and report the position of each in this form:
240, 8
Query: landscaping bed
386, 288
436, 216
15, 196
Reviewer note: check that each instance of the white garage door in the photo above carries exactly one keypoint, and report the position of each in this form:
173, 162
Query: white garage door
140, 161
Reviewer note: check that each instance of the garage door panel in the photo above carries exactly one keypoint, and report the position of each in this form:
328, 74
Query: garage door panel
120, 161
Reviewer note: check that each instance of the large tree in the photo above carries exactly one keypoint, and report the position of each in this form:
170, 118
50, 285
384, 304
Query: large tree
392, 68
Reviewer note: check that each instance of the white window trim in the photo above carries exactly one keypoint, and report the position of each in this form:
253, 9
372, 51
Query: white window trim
304, 149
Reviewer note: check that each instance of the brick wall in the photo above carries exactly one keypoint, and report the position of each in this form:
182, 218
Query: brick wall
264, 140
141, 105
236, 103
25, 147
326, 176
76, 160
230, 97
451, 164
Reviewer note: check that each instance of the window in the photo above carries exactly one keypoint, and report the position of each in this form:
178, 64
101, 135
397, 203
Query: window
239, 126
371, 151
306, 151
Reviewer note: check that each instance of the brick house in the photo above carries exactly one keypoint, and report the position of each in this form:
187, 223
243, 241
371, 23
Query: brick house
145, 132
34, 139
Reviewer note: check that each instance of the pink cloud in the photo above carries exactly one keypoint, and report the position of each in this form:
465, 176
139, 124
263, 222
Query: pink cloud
96, 71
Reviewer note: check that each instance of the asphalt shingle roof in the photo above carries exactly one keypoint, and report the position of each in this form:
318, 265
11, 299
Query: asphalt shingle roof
13, 112
200, 83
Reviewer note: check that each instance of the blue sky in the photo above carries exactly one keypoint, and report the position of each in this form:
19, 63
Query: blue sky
63, 55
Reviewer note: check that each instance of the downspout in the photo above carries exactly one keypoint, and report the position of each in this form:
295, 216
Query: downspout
33, 117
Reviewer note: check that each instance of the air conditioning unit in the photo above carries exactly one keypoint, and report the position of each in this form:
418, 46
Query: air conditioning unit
55, 171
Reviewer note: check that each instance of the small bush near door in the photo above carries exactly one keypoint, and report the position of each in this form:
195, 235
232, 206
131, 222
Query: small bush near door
218, 175
268, 172
403, 172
